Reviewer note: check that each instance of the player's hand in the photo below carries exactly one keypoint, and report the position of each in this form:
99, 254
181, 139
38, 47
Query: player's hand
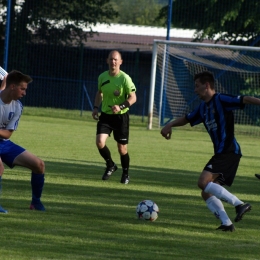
166, 132
95, 114
115, 109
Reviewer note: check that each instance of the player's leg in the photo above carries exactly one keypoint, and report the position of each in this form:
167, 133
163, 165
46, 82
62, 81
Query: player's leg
106, 154
37, 166
206, 183
217, 208
102, 148
226, 165
213, 203
2, 210
208, 186
121, 135
125, 162
103, 132
223, 194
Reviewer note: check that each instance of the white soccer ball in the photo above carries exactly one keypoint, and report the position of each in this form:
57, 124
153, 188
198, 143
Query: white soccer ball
147, 210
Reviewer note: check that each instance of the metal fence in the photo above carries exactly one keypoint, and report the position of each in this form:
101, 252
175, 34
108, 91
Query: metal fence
65, 75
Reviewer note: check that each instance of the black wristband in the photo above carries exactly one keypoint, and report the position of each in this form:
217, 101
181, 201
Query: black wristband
95, 107
124, 105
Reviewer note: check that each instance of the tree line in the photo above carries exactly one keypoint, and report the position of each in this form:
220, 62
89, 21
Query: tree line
63, 21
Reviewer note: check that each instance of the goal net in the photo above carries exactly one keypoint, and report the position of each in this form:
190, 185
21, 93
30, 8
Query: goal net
174, 64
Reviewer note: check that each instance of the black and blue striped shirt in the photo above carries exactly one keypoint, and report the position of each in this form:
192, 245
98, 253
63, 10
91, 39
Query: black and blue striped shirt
218, 119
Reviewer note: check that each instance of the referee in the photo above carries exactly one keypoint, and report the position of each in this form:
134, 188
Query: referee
116, 92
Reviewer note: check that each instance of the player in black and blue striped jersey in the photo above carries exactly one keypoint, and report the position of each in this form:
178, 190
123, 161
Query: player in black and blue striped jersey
10, 153
216, 113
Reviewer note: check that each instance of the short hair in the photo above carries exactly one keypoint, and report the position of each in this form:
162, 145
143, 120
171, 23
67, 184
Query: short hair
205, 76
120, 54
16, 77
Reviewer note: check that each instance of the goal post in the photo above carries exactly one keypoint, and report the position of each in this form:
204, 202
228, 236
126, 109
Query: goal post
174, 64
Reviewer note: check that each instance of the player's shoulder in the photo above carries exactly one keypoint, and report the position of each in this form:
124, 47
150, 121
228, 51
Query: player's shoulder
104, 74
103, 78
219, 97
13, 103
124, 74
125, 77
17, 104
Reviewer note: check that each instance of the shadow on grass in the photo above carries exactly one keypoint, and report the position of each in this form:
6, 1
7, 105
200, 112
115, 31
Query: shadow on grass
82, 179
90, 218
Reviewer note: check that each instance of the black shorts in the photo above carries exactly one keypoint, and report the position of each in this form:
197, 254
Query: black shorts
118, 124
224, 164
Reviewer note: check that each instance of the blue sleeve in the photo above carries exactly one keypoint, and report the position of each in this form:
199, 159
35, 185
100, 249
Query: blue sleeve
230, 102
196, 116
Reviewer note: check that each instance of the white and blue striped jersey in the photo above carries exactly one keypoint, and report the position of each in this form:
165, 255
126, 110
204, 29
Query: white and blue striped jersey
10, 114
218, 119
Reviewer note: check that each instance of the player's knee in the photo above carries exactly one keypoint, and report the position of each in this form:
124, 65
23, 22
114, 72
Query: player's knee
204, 179
205, 195
1, 169
40, 166
122, 149
101, 141
100, 144
202, 184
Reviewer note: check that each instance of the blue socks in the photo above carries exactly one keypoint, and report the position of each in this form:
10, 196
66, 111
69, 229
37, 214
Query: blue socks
2, 210
37, 183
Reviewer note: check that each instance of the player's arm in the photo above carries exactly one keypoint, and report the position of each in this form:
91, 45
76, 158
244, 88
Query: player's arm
166, 132
5, 134
251, 100
3, 84
131, 99
98, 100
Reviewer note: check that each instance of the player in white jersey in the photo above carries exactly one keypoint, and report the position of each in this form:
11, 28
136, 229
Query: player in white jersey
2, 210
10, 153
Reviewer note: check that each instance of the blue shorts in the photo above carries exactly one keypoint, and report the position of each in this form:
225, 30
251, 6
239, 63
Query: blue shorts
9, 151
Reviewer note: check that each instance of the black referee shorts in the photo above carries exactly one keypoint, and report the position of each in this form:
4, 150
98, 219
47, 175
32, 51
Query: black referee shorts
224, 164
118, 124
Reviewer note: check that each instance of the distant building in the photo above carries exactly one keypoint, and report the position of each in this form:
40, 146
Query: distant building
132, 37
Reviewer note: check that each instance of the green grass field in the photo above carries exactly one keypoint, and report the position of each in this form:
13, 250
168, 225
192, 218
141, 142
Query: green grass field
87, 218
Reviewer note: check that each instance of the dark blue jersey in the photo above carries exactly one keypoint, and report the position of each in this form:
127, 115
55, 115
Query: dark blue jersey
218, 118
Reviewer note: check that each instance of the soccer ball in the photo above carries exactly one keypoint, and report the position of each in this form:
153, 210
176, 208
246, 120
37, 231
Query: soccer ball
147, 210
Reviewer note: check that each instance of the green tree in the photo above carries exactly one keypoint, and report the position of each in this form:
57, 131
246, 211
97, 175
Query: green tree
59, 21
138, 12
52, 22
232, 21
